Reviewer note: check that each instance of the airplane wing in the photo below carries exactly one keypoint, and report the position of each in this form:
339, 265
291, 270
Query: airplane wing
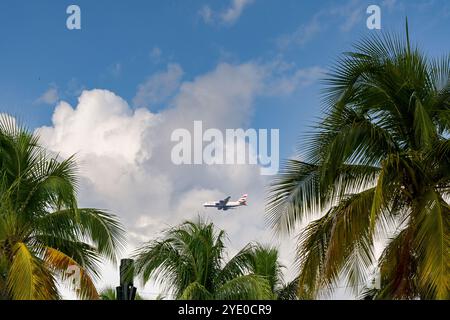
224, 201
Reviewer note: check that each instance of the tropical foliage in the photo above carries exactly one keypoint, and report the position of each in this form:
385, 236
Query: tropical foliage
377, 164
189, 260
264, 261
43, 233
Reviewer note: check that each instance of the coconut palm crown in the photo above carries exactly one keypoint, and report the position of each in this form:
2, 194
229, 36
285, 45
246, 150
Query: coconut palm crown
190, 261
44, 237
376, 165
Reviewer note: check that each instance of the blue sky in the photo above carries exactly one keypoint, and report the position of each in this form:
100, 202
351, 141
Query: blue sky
159, 66
114, 48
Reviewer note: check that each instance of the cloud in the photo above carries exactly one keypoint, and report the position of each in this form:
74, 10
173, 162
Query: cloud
74, 88
125, 153
102, 123
158, 87
349, 14
300, 78
302, 35
228, 16
51, 96
232, 14
206, 14
344, 15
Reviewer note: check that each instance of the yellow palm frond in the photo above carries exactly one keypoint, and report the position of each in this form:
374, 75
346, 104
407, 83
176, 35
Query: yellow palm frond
69, 269
28, 279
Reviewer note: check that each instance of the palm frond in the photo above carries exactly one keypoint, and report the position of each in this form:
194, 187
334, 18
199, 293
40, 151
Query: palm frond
247, 287
195, 291
60, 262
432, 245
27, 278
101, 228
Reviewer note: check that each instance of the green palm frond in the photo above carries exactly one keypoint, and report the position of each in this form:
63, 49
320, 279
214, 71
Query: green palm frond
432, 243
288, 291
196, 291
42, 230
384, 141
100, 227
294, 193
246, 287
265, 262
190, 261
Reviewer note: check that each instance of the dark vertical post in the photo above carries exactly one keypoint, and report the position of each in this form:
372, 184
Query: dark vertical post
126, 290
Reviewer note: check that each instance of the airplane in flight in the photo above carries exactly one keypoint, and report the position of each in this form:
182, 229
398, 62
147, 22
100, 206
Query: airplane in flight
226, 204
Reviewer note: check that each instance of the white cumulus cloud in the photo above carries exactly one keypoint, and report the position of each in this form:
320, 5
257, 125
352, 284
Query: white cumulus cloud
125, 154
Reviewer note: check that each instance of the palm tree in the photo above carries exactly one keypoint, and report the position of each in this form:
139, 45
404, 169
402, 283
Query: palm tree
43, 234
377, 164
189, 261
264, 261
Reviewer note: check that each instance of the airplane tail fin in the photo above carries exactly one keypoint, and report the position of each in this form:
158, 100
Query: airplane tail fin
243, 200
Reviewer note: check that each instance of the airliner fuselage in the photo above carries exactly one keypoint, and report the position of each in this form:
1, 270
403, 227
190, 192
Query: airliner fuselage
226, 204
